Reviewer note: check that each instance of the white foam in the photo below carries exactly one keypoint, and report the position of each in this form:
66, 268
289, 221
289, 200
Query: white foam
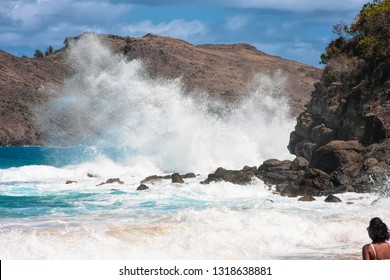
318, 232
216, 221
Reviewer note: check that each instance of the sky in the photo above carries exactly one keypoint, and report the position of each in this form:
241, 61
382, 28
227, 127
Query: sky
292, 29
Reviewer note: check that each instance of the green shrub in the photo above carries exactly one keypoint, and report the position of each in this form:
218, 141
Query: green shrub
368, 37
38, 54
49, 50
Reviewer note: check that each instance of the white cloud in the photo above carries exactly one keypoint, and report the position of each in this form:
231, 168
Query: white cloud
11, 38
292, 5
236, 23
281, 5
177, 28
33, 15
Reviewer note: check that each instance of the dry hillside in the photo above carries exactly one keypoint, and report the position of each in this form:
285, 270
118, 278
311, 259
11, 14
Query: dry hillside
223, 70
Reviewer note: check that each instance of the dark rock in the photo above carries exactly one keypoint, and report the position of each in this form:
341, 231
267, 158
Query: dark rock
322, 134
299, 163
142, 187
188, 175
380, 151
275, 165
152, 179
275, 172
249, 168
317, 179
332, 198
337, 154
306, 198
71, 182
374, 129
239, 177
292, 190
275, 178
369, 163
176, 178
111, 181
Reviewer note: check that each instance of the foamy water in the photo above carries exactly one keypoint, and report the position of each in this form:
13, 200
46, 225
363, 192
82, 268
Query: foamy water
49, 219
125, 125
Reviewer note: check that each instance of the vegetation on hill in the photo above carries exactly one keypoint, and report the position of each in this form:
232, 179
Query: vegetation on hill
367, 37
364, 44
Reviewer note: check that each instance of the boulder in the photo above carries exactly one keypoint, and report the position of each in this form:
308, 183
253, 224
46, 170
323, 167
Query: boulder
299, 163
380, 151
152, 179
337, 154
188, 175
176, 178
332, 198
292, 190
111, 181
306, 198
71, 182
275, 165
240, 177
317, 179
142, 187
276, 172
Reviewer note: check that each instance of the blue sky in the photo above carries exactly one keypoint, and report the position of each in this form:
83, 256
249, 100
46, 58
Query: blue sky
293, 29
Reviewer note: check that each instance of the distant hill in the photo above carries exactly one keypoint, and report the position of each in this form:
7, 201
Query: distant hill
225, 71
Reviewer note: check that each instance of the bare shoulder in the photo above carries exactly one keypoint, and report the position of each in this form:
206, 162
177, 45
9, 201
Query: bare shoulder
367, 252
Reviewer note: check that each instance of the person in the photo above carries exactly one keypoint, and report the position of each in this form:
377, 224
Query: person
379, 249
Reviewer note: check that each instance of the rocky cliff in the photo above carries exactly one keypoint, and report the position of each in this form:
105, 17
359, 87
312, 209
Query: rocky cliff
342, 139
345, 129
226, 71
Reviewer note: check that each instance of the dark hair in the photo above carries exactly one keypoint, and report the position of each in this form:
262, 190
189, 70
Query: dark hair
378, 230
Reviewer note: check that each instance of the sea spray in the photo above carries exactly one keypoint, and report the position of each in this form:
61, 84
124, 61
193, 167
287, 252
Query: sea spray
111, 102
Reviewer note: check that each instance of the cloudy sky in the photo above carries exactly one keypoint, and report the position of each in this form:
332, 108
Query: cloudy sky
292, 29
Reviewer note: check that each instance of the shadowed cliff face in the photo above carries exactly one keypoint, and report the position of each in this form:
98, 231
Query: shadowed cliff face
343, 136
342, 139
342, 111
227, 72
345, 130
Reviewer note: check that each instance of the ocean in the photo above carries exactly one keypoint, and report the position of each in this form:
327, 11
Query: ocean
128, 126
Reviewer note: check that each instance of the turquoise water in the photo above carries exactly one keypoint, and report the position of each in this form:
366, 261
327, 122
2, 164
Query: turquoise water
50, 219
21, 156
18, 156
31, 194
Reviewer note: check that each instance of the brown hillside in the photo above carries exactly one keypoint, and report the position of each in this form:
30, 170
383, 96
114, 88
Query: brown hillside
223, 70
22, 83
226, 70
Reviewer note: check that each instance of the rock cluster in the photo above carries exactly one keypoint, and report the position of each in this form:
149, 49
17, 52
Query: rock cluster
341, 141
345, 130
